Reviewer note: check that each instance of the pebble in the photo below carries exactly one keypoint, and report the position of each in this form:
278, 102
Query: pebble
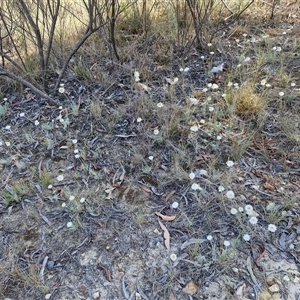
274, 288
50, 264
296, 279
96, 295
286, 278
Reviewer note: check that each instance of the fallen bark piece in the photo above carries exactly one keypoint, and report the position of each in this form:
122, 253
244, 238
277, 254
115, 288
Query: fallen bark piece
191, 288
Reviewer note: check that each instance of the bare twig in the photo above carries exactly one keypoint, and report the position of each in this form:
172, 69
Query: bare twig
23, 81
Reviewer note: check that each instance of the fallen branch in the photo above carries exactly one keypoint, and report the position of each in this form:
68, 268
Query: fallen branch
28, 84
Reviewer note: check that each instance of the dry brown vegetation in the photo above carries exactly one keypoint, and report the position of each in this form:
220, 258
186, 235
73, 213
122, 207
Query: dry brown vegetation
149, 149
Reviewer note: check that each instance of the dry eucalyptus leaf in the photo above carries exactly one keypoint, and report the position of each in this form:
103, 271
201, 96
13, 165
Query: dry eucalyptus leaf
169, 195
171, 81
166, 235
172, 296
140, 87
164, 217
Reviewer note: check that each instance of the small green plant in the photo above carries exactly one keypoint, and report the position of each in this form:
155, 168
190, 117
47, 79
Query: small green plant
45, 178
11, 198
75, 109
3, 110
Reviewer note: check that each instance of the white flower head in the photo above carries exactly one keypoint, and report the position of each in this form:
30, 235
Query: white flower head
211, 109
186, 69
50, 186
194, 128
139, 119
150, 157
70, 224
209, 237
76, 151
246, 237
214, 86
196, 186
248, 209
7, 144
263, 82
173, 256
209, 44
71, 198
174, 205
77, 156
61, 90
7, 127
156, 131
221, 188
22, 114
219, 137
240, 209
293, 84
230, 194
233, 211
253, 220
160, 104
205, 90
229, 163
192, 175
281, 94
272, 227
74, 141
60, 177
226, 243
212, 53
82, 200
36, 122
229, 84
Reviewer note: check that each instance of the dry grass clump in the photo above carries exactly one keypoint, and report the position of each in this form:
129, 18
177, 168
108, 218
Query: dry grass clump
247, 101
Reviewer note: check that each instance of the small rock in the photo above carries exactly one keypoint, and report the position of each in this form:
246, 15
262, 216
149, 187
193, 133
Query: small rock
50, 264
235, 270
82, 288
191, 288
48, 296
96, 295
286, 278
274, 288
138, 296
276, 296
270, 280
